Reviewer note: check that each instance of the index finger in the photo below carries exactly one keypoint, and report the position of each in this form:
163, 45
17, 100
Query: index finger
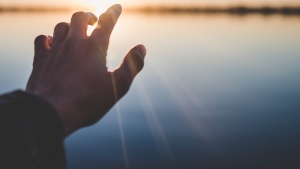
106, 24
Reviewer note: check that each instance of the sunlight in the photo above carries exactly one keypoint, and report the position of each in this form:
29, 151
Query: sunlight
99, 7
181, 97
162, 144
90, 29
122, 133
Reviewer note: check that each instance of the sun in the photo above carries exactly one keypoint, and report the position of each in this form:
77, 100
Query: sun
98, 7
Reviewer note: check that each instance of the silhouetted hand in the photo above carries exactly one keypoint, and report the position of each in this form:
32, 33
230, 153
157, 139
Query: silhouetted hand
70, 72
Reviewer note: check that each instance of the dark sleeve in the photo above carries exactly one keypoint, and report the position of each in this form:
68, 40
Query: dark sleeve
31, 133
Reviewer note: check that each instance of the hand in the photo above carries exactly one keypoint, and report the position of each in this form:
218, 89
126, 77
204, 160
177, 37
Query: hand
70, 72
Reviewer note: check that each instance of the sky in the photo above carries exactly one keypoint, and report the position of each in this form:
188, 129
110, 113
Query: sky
148, 2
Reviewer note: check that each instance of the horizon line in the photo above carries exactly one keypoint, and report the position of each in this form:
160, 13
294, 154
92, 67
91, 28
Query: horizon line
34, 9
237, 10
240, 10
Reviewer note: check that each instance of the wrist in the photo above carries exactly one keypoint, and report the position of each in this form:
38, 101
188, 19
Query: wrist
64, 110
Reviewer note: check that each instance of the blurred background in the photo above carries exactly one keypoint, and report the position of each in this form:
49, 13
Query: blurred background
220, 88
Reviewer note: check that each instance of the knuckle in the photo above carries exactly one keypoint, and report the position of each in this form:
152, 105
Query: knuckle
99, 46
105, 37
134, 64
107, 20
73, 41
111, 16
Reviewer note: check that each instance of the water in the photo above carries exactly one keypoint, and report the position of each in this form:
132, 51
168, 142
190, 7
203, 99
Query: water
217, 91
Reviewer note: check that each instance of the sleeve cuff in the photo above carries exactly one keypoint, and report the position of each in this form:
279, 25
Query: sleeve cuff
44, 123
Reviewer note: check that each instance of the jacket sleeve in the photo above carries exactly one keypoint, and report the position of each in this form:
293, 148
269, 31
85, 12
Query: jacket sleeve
31, 133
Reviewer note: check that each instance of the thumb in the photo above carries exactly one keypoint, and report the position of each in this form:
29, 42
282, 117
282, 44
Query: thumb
132, 64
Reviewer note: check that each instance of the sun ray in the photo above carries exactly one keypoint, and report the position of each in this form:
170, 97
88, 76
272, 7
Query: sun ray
186, 110
120, 123
155, 127
122, 134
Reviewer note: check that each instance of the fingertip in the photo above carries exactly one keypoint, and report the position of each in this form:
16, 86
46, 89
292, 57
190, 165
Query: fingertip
77, 15
115, 10
61, 31
92, 18
41, 39
135, 59
137, 56
41, 43
117, 7
41, 48
142, 50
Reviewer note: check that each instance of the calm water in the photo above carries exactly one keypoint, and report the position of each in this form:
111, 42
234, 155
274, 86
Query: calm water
217, 92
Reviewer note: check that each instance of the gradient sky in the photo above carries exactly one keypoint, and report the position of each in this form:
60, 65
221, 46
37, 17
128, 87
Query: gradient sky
152, 2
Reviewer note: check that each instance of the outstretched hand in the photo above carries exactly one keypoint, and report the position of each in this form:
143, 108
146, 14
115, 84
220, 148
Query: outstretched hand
70, 72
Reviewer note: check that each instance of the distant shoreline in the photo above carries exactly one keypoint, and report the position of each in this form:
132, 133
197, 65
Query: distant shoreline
34, 9
237, 10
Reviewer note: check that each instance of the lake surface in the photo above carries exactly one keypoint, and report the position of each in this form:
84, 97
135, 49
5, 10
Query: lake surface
217, 91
